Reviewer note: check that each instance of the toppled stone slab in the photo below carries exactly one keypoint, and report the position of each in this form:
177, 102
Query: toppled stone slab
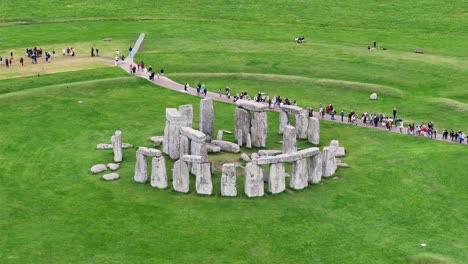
289, 157
103, 146
245, 157
226, 146
193, 158
268, 152
98, 168
149, 152
342, 165
158, 173
251, 105
212, 148
113, 166
127, 145
157, 140
254, 156
292, 109
228, 180
227, 132
111, 176
192, 134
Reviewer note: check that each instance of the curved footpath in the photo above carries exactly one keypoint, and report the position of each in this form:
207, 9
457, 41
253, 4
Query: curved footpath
170, 84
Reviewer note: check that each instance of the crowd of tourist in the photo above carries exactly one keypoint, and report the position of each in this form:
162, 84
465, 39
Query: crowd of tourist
34, 54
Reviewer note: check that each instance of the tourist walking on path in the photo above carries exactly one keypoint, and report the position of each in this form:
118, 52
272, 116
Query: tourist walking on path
394, 113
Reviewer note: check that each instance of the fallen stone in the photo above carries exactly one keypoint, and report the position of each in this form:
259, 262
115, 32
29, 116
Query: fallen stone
288, 157
149, 152
245, 157
289, 139
212, 148
254, 156
227, 132
253, 186
158, 173
192, 134
203, 183
340, 152
373, 96
103, 146
228, 180
226, 146
186, 111
268, 152
276, 178
157, 140
113, 166
111, 176
342, 165
207, 117
180, 177
251, 105
98, 168
300, 176
292, 109
258, 129
313, 134
193, 158
127, 145
220, 135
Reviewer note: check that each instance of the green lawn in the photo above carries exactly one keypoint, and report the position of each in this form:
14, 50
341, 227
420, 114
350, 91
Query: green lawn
400, 191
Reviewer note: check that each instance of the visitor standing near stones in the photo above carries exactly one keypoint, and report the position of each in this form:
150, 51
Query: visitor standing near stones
22, 61
162, 71
92, 52
97, 52
53, 53
204, 91
394, 113
342, 115
186, 86
7, 63
220, 92
198, 89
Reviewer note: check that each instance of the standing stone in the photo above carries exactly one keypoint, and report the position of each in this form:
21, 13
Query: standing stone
158, 173
248, 143
239, 137
203, 183
335, 143
301, 125
184, 146
141, 168
199, 149
284, 121
180, 177
186, 111
207, 117
166, 138
328, 161
258, 130
220, 135
242, 123
289, 139
174, 120
315, 169
228, 180
276, 179
116, 140
253, 186
313, 134
300, 176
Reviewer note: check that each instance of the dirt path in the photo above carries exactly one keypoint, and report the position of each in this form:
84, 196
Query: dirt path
170, 84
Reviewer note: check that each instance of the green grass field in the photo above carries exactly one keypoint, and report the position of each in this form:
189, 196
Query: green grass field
400, 191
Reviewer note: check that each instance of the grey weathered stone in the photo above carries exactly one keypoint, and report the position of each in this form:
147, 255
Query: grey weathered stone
315, 169
373, 96
104, 146
248, 143
300, 176
113, 166
242, 122
116, 140
141, 167
207, 117
203, 183
301, 125
269, 152
111, 176
291, 109
342, 165
184, 147
157, 140
158, 173
289, 139
228, 180
334, 143
288, 157
253, 186
166, 138
227, 132
251, 105
239, 138
220, 135
259, 128
340, 152
193, 158
193, 134
149, 152
198, 149
245, 157
98, 168
328, 161
186, 111
226, 145
180, 177
284, 121
174, 120
313, 134
254, 156
276, 179
127, 145
212, 148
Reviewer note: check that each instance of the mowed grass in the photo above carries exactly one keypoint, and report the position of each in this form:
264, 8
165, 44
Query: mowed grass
400, 191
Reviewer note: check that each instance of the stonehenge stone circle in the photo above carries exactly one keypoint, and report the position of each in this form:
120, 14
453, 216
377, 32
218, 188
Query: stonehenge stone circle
228, 180
207, 117
158, 173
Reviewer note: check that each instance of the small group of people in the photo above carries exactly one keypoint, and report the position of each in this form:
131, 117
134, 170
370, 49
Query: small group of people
299, 39
94, 50
69, 51
454, 136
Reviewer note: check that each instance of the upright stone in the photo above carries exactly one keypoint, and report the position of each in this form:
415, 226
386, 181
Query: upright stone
198, 149
276, 179
300, 176
228, 180
335, 143
141, 168
180, 177
284, 121
207, 117
220, 135
328, 161
184, 146
158, 173
315, 169
242, 123
289, 139
203, 183
186, 111
253, 186
172, 136
166, 138
258, 130
313, 134
116, 140
239, 137
301, 124
248, 143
